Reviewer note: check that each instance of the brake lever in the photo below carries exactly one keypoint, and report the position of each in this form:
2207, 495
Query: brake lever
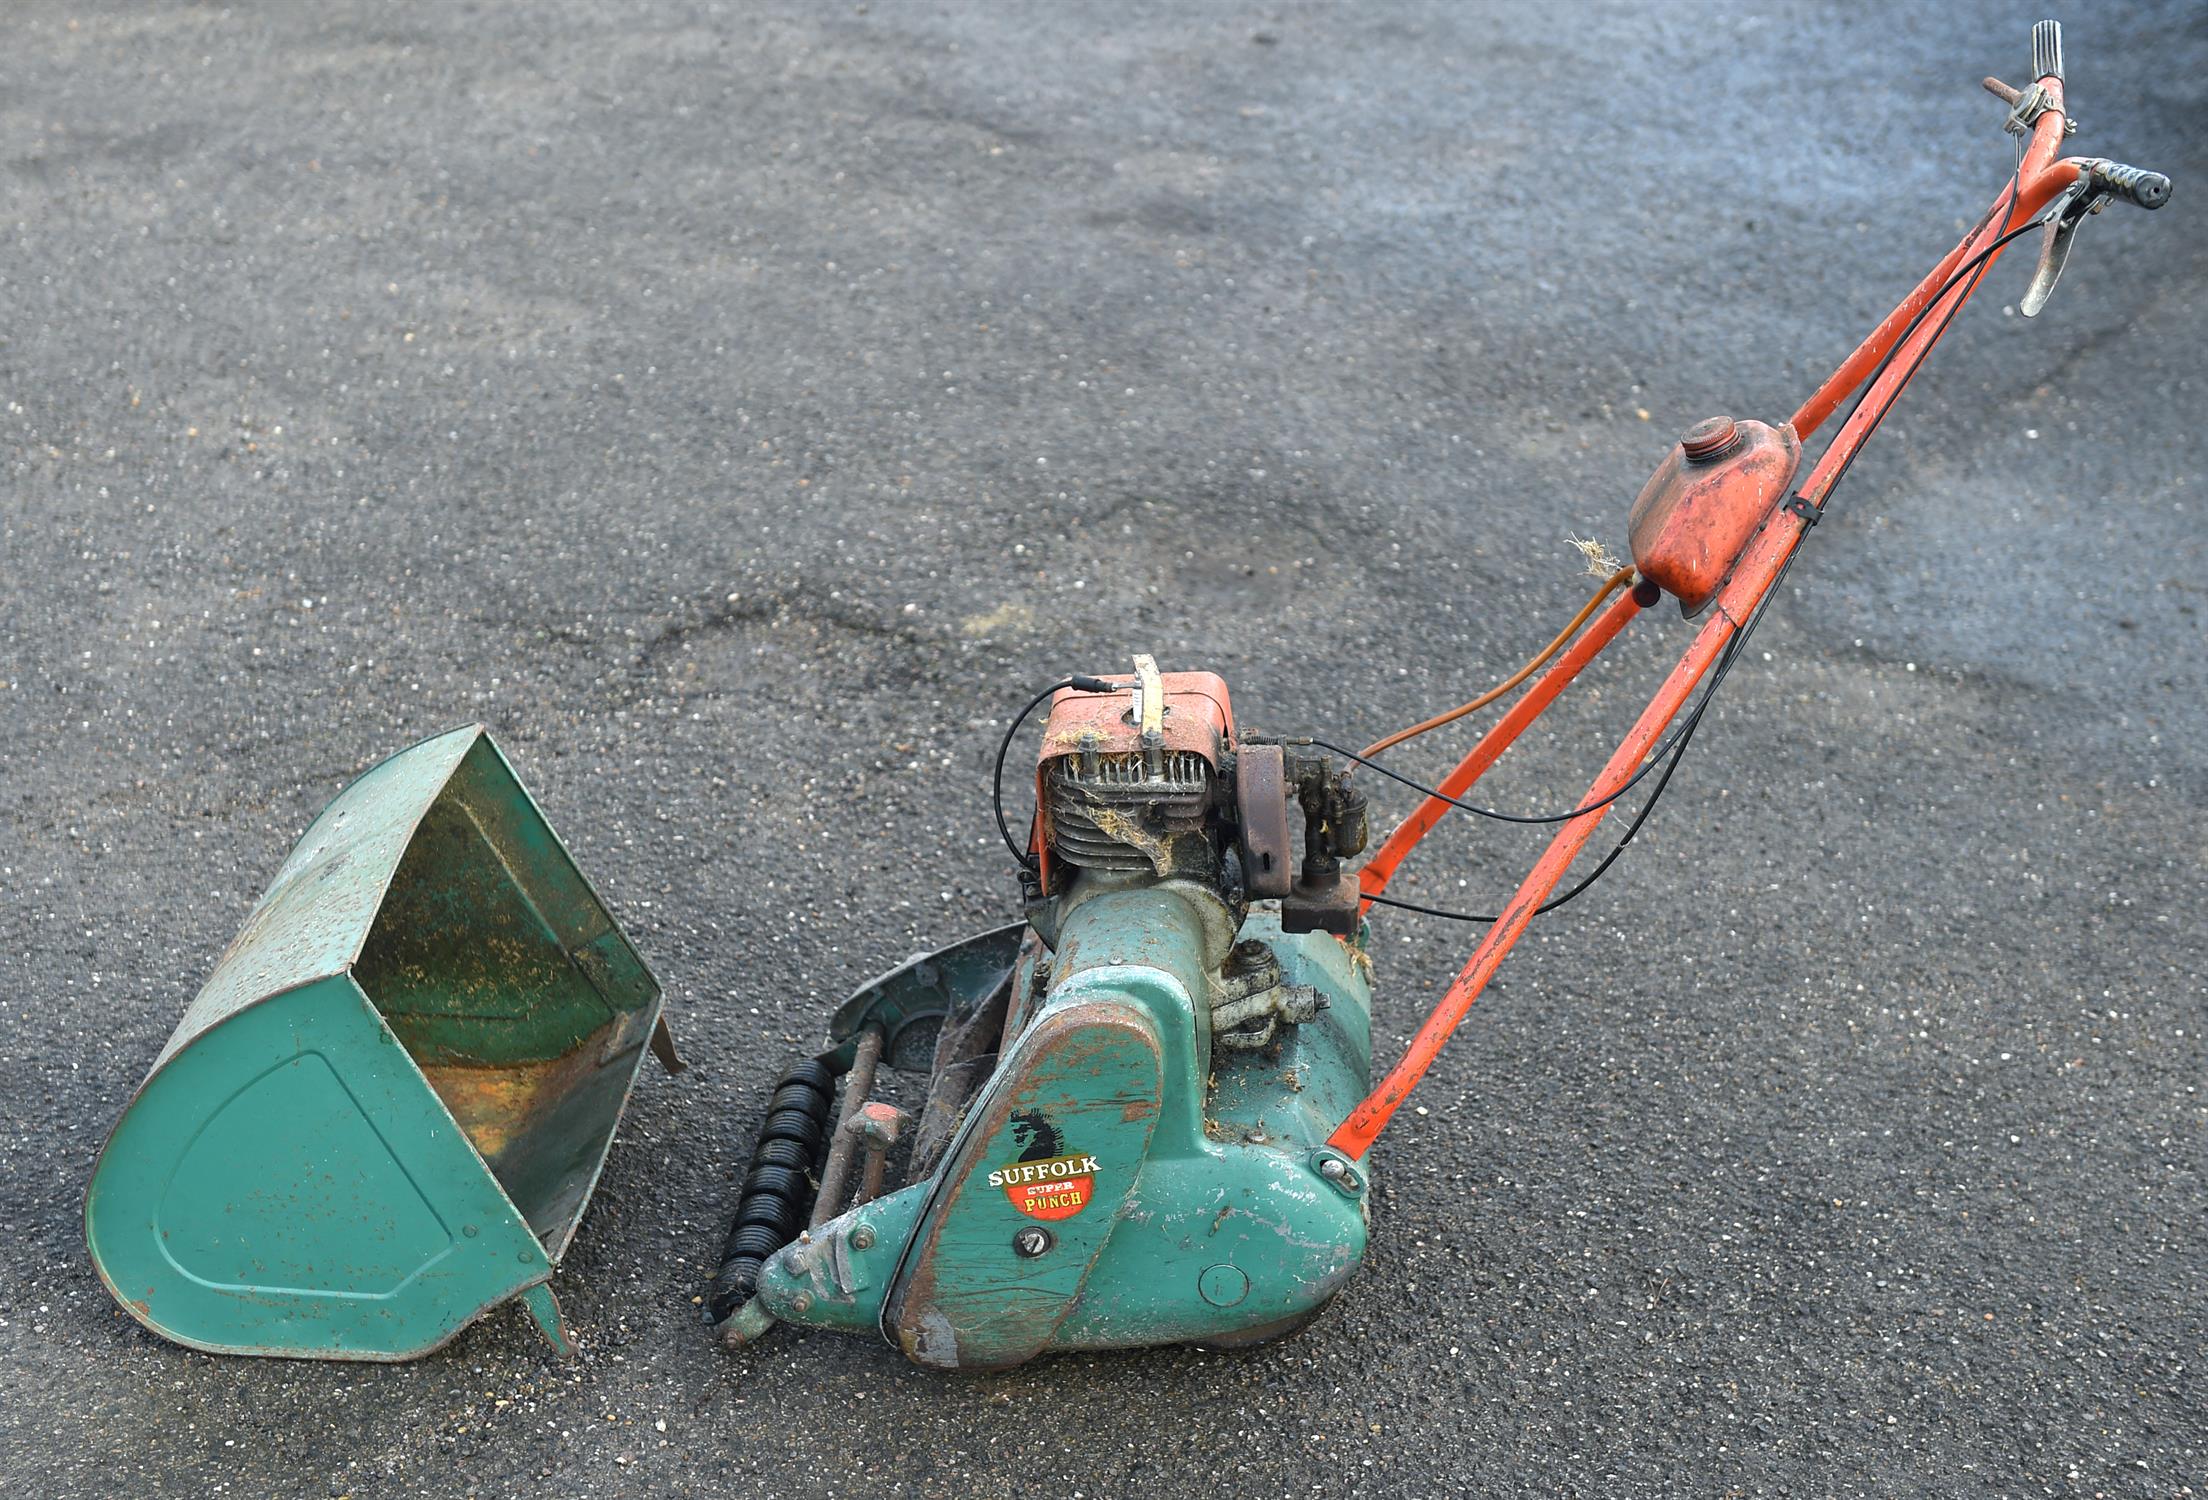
2061, 219
2099, 182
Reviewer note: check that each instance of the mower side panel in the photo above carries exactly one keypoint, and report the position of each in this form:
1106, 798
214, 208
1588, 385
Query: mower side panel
1240, 1232
1105, 1069
1001, 1256
1251, 1239
1205, 1217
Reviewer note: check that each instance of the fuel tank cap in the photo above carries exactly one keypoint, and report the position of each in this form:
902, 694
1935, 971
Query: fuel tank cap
1710, 438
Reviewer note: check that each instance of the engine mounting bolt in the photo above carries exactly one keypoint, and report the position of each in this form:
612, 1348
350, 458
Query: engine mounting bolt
1710, 438
1029, 1243
862, 1238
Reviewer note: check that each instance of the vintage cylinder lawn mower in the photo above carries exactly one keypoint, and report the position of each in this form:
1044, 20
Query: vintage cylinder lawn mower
1148, 1106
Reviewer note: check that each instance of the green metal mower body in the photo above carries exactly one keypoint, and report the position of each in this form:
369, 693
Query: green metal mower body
1117, 1182
1128, 1095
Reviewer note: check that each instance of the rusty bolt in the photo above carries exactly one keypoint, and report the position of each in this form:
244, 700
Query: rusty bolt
862, 1238
802, 1303
1712, 437
878, 1125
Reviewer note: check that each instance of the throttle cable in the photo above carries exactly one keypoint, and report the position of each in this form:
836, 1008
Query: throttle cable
1610, 586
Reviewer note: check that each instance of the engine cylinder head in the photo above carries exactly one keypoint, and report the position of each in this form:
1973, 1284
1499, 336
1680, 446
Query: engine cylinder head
1113, 813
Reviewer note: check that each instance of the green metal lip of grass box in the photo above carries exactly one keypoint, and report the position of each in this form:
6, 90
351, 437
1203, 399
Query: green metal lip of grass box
385, 1112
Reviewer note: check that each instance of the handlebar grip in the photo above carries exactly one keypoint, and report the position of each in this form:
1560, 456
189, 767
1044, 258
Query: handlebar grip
2132, 184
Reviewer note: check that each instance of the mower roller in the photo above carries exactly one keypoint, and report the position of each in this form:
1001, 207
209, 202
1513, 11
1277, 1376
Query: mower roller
1148, 1107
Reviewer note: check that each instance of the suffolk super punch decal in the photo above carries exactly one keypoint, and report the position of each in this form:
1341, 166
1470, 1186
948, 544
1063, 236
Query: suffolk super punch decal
1056, 1188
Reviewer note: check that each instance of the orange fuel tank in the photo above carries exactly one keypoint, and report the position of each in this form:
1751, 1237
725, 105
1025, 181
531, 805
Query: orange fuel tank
1708, 498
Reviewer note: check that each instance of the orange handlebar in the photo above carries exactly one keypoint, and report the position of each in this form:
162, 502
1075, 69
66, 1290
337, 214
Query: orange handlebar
1899, 343
2039, 177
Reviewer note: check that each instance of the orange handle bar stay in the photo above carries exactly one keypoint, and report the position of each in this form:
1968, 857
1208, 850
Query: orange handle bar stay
1896, 345
1380, 869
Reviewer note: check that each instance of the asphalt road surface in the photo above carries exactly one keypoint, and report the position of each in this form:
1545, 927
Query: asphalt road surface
740, 407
